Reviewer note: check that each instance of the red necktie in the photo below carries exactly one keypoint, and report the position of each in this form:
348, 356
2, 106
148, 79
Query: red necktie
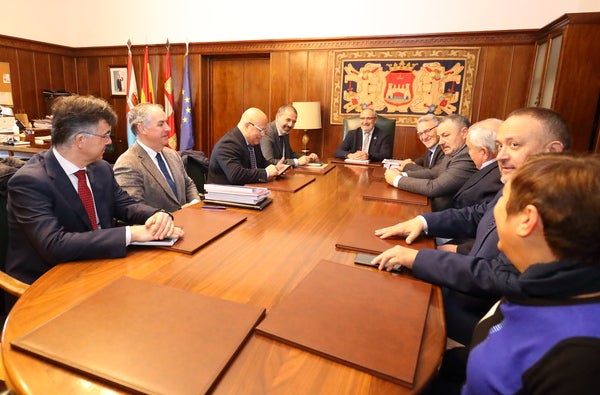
86, 197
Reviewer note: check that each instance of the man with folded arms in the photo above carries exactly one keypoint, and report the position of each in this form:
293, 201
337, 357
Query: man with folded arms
62, 203
475, 281
237, 158
149, 171
442, 181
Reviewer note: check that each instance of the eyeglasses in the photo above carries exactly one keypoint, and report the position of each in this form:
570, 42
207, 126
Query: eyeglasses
106, 136
367, 118
420, 134
261, 130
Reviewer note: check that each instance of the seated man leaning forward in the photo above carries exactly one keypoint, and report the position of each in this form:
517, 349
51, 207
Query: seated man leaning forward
368, 142
474, 282
237, 158
547, 341
62, 203
149, 171
276, 142
443, 180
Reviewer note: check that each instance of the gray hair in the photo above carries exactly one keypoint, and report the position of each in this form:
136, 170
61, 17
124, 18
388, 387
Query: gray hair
482, 134
140, 114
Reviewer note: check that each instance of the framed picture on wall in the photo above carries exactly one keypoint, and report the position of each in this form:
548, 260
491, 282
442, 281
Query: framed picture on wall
118, 80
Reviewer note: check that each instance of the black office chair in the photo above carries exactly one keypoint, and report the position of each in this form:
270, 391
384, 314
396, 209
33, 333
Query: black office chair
387, 125
196, 167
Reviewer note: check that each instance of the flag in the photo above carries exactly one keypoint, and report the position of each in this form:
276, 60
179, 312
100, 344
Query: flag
187, 124
147, 95
169, 100
132, 92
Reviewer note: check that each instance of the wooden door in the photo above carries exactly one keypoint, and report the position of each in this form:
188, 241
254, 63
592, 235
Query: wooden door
235, 84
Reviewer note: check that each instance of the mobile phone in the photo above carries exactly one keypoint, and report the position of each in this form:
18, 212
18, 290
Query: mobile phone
365, 259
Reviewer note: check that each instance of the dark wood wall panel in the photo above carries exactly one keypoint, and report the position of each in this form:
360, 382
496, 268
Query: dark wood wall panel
228, 77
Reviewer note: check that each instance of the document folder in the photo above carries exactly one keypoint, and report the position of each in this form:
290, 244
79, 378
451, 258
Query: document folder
370, 320
145, 337
359, 235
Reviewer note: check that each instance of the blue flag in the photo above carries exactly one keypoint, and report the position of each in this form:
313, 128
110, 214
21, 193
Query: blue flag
187, 124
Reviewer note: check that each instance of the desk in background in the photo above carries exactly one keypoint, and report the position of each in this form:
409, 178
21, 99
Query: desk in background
257, 263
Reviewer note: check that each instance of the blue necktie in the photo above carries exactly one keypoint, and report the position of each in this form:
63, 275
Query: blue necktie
429, 157
252, 157
163, 168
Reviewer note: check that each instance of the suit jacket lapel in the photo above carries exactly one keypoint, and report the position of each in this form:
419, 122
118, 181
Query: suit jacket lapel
63, 183
148, 163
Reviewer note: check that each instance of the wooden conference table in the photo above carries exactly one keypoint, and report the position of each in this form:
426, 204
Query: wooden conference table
258, 263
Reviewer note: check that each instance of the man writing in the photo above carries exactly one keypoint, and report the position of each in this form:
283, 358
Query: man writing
62, 203
237, 158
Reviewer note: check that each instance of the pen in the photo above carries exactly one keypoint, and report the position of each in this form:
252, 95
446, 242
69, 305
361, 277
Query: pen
214, 207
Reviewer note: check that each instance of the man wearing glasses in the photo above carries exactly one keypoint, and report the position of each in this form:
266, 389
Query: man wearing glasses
367, 142
427, 133
62, 203
237, 158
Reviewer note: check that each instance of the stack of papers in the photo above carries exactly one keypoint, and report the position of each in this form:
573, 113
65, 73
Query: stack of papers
391, 163
357, 161
236, 194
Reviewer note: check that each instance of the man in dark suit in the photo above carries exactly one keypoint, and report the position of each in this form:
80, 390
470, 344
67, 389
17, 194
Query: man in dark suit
427, 133
276, 142
237, 158
442, 181
366, 142
484, 272
484, 184
149, 171
62, 203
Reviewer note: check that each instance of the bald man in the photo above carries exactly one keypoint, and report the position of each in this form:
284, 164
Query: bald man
237, 158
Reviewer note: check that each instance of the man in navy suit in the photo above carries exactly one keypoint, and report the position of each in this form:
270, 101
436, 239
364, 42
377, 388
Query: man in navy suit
484, 184
484, 272
276, 142
62, 203
366, 142
237, 158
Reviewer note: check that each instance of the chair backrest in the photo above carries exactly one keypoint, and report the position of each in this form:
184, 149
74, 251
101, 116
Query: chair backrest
387, 125
196, 167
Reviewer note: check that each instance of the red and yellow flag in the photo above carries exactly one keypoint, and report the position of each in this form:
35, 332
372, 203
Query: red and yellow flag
169, 100
147, 95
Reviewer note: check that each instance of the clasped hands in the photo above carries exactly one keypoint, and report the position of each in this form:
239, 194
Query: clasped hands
158, 226
358, 155
399, 255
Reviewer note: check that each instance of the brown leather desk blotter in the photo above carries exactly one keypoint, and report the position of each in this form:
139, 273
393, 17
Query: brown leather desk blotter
359, 235
370, 320
291, 182
146, 337
379, 190
202, 226
324, 168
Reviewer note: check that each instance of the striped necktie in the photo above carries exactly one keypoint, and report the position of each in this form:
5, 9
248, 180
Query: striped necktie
252, 157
